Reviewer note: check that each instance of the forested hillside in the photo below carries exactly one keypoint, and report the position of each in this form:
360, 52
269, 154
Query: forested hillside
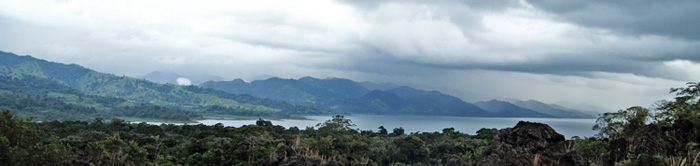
83, 87
45, 99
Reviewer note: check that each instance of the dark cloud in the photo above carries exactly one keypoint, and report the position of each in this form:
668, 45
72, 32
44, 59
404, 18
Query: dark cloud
574, 64
666, 18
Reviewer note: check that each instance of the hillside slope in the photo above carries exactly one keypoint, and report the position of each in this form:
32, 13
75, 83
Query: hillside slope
191, 98
45, 99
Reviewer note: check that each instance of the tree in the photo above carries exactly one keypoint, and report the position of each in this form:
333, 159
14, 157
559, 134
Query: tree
398, 131
685, 107
262, 122
485, 133
623, 122
17, 132
337, 123
23, 144
382, 130
411, 150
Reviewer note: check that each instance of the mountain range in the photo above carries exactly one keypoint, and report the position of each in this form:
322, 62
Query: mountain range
79, 86
345, 95
54, 91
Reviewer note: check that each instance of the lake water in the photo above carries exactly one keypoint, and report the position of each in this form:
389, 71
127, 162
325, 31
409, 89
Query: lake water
413, 123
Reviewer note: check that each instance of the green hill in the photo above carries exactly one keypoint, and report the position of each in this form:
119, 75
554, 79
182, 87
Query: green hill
88, 82
45, 99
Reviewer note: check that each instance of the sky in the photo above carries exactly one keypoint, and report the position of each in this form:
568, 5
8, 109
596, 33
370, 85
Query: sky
595, 54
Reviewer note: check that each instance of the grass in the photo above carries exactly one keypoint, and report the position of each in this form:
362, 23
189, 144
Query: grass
691, 158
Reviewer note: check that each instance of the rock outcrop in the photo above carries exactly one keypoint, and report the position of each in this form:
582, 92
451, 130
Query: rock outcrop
530, 143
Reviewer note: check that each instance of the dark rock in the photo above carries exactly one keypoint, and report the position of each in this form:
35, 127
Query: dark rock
530, 143
533, 136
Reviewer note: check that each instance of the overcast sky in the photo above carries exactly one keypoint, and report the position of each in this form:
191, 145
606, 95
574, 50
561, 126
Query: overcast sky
612, 54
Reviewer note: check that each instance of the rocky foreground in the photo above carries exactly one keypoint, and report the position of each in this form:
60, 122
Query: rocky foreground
530, 143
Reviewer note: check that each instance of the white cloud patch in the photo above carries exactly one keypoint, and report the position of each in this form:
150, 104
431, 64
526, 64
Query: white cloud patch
183, 81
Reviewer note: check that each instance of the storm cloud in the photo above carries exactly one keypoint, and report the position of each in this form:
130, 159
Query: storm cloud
612, 54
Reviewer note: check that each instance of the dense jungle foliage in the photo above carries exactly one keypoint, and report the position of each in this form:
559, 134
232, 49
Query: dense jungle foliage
120, 143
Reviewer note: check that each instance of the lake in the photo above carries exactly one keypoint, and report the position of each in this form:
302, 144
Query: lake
415, 123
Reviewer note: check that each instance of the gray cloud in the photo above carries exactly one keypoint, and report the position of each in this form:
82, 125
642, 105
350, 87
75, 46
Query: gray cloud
574, 50
473, 49
665, 18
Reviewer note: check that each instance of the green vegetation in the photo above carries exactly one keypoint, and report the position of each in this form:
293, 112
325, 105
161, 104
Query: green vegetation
81, 99
53, 91
119, 143
45, 99
664, 135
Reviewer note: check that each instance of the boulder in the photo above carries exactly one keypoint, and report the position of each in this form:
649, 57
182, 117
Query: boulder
530, 143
